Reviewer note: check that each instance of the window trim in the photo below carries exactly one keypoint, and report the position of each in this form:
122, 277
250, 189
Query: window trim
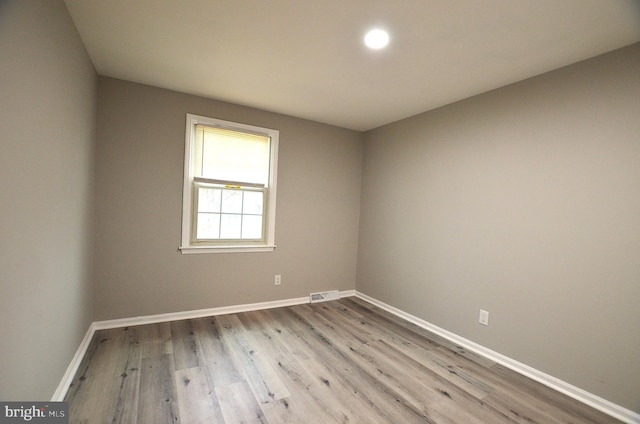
187, 246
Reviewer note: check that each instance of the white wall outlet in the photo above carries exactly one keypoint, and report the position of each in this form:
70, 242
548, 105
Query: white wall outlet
484, 317
278, 280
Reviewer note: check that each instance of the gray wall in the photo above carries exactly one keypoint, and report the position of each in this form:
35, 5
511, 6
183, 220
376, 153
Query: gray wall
524, 201
47, 133
139, 170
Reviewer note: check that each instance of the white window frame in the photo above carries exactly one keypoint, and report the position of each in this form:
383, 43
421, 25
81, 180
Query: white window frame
188, 245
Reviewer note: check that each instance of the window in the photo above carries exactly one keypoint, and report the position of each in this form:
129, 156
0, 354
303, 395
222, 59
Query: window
229, 194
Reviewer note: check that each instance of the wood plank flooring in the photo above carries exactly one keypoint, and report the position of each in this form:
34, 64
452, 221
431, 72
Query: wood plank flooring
343, 361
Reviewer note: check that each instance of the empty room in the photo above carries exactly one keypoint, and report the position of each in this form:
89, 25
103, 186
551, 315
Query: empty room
296, 211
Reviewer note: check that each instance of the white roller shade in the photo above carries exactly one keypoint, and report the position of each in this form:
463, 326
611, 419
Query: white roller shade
227, 155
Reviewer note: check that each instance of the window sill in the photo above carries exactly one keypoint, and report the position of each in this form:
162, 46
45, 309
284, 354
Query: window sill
189, 250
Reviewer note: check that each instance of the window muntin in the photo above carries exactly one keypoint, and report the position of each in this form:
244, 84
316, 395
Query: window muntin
230, 186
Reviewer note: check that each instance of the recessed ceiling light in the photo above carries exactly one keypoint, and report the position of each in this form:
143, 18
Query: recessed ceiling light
376, 39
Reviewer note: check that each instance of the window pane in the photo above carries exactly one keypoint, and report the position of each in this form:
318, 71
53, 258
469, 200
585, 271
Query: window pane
230, 214
252, 203
251, 227
208, 226
209, 199
231, 201
230, 226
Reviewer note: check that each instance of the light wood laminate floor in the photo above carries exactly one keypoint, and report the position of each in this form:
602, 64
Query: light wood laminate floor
343, 361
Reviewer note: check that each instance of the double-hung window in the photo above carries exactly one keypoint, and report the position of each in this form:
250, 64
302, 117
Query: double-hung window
229, 194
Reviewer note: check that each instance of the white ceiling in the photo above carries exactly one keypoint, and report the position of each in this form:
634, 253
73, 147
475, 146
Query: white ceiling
306, 58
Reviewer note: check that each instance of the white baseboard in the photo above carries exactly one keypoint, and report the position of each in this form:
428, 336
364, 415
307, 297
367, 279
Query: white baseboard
199, 313
609, 408
67, 378
347, 293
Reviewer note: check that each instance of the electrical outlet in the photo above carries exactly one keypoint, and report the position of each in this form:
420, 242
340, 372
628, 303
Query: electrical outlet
278, 280
484, 317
